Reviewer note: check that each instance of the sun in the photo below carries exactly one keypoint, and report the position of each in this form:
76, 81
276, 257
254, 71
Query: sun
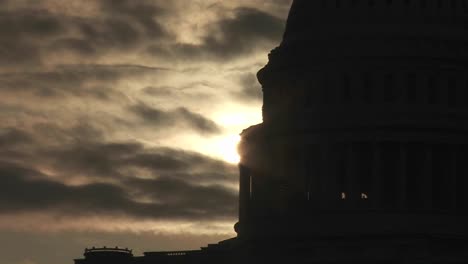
233, 119
227, 148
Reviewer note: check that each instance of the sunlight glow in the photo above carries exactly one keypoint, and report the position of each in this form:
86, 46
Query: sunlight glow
233, 119
227, 148
239, 118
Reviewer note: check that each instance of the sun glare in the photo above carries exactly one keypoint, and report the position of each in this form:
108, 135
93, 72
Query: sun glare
227, 148
222, 146
234, 119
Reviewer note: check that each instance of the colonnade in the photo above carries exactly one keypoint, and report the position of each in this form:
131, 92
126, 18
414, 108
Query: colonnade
408, 176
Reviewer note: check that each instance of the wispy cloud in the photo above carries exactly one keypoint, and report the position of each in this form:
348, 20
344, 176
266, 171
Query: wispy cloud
108, 109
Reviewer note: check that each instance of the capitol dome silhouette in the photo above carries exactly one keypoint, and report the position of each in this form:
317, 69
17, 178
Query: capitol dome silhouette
362, 156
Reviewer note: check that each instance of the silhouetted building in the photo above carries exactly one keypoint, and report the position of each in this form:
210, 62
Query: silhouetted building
363, 153
106, 255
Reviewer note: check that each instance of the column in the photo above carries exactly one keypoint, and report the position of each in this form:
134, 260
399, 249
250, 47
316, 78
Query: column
244, 192
314, 177
462, 94
401, 88
367, 85
427, 180
339, 172
453, 177
377, 176
328, 178
352, 194
402, 177
302, 172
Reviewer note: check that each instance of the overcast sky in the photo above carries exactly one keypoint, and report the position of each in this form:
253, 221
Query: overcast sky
119, 120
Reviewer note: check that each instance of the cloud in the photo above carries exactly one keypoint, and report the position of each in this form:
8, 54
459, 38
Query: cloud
251, 89
91, 95
39, 193
82, 150
13, 137
208, 202
249, 30
184, 165
94, 81
20, 34
120, 161
32, 35
144, 13
180, 117
28, 190
124, 178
